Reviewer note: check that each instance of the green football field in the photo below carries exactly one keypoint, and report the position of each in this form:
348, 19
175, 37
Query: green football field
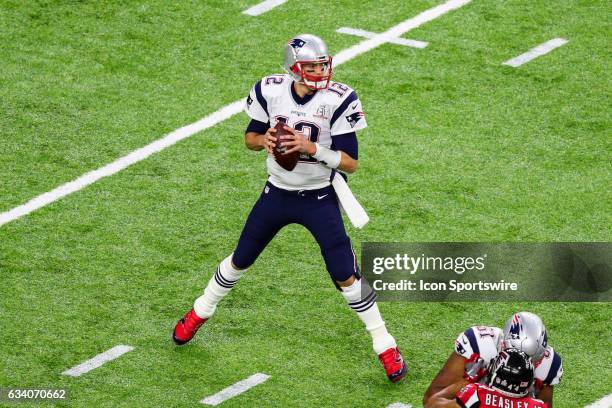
459, 148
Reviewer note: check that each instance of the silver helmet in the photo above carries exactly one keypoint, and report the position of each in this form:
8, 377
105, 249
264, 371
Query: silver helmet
526, 332
308, 48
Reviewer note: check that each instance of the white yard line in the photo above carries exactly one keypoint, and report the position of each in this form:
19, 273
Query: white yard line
235, 389
263, 7
222, 114
398, 30
134, 157
605, 402
98, 360
399, 405
369, 34
540, 50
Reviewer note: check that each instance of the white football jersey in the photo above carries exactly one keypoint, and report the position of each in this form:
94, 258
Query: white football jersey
486, 341
328, 113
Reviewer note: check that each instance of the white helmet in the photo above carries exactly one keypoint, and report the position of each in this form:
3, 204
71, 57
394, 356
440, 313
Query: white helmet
526, 332
308, 48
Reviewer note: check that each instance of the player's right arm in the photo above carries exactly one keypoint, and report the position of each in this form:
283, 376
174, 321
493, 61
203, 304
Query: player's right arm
441, 402
464, 365
454, 396
451, 373
258, 135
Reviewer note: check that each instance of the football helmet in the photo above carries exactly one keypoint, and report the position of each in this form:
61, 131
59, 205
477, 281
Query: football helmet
526, 332
511, 373
308, 48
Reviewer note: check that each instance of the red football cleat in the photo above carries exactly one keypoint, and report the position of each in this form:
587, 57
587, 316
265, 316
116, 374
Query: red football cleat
394, 364
187, 327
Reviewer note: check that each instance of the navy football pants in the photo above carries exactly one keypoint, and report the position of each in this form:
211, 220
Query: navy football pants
317, 210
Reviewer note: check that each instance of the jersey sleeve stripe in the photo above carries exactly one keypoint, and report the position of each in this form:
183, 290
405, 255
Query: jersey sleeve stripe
462, 405
459, 402
257, 127
349, 99
554, 369
262, 101
347, 143
473, 342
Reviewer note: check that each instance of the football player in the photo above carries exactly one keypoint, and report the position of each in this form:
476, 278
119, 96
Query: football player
511, 376
479, 345
322, 117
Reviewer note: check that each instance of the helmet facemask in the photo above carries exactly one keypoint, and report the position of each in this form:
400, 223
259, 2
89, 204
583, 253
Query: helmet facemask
511, 373
314, 82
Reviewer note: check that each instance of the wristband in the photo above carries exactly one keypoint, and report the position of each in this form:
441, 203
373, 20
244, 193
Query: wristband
330, 158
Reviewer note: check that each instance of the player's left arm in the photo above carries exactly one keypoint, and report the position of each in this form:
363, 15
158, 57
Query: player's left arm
348, 147
347, 119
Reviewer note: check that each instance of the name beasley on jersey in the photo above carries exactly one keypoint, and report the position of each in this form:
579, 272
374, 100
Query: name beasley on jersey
503, 402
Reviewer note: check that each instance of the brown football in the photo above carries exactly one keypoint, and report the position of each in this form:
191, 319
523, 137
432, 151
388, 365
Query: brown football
286, 161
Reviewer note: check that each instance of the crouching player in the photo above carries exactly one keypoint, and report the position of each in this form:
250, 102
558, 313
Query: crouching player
478, 346
508, 385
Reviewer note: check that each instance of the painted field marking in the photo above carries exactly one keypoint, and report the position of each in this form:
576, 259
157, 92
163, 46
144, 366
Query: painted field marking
535, 52
398, 30
98, 360
263, 7
369, 34
605, 402
220, 115
235, 389
399, 405
86, 179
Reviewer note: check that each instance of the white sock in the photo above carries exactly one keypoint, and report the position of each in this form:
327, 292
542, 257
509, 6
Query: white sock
218, 286
368, 312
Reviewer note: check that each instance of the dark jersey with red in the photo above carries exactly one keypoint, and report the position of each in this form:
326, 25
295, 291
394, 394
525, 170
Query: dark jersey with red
481, 396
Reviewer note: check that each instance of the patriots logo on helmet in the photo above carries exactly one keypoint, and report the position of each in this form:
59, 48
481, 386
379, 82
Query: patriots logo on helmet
353, 118
459, 347
516, 328
297, 43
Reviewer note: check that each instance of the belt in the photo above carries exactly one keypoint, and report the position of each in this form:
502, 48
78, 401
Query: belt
301, 193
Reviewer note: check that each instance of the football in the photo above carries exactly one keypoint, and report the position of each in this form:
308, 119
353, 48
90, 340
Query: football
286, 161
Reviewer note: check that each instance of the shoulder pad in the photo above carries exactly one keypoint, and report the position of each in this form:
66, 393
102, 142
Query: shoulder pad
550, 368
273, 85
337, 92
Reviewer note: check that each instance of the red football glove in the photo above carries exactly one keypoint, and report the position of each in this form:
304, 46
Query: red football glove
475, 368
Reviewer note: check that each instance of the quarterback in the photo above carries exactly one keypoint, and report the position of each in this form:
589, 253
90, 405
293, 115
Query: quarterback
507, 386
321, 117
478, 346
